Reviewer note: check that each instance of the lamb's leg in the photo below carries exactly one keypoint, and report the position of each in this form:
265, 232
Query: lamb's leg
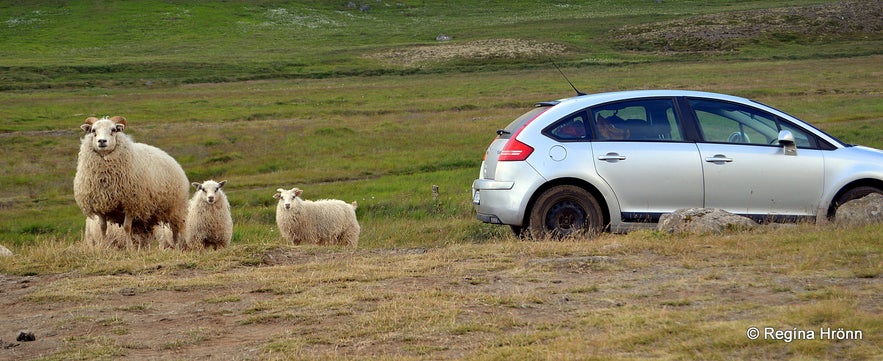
350, 238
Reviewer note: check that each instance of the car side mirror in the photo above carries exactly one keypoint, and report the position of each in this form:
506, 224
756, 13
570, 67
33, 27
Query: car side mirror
786, 140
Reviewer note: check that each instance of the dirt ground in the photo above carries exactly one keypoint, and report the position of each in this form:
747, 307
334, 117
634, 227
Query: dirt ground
133, 316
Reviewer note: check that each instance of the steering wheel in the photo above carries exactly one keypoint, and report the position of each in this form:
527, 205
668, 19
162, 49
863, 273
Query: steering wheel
738, 137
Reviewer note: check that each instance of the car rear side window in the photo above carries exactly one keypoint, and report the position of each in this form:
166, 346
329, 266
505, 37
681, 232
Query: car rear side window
572, 128
637, 120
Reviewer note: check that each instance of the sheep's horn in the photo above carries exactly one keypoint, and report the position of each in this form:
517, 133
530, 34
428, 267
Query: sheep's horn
118, 120
280, 190
91, 120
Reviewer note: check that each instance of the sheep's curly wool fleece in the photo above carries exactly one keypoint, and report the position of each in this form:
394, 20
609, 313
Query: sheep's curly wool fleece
132, 179
327, 221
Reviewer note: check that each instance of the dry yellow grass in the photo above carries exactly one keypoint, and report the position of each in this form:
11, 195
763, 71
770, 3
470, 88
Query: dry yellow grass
637, 296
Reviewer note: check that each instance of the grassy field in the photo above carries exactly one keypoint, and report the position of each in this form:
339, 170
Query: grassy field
366, 105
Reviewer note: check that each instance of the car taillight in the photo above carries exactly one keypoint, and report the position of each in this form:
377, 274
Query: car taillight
514, 150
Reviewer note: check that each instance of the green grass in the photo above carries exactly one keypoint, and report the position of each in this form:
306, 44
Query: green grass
145, 43
383, 140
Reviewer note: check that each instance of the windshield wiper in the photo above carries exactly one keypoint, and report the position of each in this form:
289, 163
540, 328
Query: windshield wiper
503, 131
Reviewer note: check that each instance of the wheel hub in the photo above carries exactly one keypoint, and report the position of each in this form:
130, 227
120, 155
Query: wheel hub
565, 217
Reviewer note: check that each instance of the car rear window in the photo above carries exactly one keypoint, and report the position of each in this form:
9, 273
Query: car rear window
521, 121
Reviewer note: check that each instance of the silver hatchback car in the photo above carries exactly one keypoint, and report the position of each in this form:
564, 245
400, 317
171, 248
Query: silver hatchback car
618, 161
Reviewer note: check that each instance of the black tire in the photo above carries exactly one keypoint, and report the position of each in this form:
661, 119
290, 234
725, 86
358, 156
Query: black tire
852, 194
564, 211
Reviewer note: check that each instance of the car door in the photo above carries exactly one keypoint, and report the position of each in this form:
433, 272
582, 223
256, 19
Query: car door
746, 170
638, 149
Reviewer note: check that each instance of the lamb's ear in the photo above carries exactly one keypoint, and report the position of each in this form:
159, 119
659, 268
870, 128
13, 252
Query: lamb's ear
197, 185
86, 127
297, 191
222, 183
277, 195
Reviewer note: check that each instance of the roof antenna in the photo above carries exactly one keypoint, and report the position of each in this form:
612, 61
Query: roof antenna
578, 93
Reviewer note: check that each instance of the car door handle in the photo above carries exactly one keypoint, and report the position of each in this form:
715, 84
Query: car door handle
719, 158
612, 156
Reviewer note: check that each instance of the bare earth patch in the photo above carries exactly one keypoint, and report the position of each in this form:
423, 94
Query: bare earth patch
478, 49
728, 31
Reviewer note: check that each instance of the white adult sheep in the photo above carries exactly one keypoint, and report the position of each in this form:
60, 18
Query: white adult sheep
124, 182
115, 236
325, 221
209, 223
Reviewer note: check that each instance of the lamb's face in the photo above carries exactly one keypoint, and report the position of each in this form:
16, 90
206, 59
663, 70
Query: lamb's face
102, 134
211, 190
287, 197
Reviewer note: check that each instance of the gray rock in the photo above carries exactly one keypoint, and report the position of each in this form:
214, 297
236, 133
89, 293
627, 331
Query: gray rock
5, 252
865, 210
703, 221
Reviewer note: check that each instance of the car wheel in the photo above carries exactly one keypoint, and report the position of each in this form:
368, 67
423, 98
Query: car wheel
854, 193
563, 211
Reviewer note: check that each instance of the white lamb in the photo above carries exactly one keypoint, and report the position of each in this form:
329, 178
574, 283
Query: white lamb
209, 223
326, 221
128, 183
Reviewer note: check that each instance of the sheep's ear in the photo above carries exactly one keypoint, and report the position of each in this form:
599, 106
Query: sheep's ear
87, 124
118, 119
279, 190
120, 127
297, 192
222, 183
277, 195
197, 185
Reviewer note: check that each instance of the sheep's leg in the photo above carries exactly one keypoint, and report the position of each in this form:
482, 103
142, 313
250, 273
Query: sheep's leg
103, 222
177, 242
127, 227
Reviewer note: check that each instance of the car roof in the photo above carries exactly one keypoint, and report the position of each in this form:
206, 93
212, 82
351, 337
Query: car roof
584, 100
629, 94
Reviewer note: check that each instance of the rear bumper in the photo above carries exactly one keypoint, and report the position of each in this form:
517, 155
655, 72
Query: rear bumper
497, 202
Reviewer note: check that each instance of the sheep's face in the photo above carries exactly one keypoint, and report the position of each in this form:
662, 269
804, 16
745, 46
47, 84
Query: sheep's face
102, 133
287, 198
211, 190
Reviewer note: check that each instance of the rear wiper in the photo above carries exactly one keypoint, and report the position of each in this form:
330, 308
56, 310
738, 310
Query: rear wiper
503, 131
